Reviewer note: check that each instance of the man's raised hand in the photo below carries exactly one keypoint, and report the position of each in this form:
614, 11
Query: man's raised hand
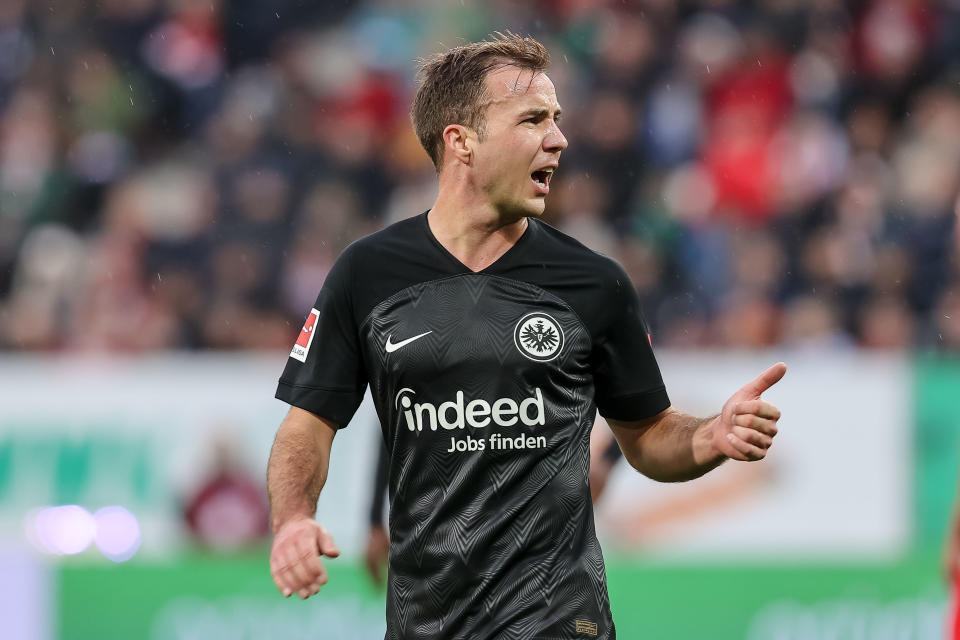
295, 557
745, 428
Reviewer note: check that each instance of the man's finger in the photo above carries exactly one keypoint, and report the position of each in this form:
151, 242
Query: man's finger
279, 582
764, 381
750, 421
280, 573
297, 567
754, 437
749, 451
758, 407
283, 580
374, 567
310, 560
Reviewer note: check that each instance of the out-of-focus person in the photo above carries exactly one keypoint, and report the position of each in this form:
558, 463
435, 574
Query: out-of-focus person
377, 549
229, 509
951, 570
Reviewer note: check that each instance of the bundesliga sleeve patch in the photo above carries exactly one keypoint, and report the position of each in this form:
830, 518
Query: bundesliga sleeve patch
302, 347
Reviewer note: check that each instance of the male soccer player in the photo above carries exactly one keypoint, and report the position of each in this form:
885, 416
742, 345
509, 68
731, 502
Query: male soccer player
489, 340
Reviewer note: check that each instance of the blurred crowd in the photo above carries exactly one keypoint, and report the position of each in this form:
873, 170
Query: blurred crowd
181, 174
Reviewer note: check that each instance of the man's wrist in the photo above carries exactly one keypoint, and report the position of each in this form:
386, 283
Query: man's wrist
279, 522
705, 450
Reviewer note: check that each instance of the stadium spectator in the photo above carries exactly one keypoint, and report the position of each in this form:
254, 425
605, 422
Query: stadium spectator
197, 168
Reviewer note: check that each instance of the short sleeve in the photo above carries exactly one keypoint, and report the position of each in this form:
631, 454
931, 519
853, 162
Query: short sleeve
626, 374
324, 373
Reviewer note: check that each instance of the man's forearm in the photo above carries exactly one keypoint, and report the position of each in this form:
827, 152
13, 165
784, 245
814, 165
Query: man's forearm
675, 449
297, 469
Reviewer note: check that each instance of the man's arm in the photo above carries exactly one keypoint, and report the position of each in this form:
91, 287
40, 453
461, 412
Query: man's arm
295, 475
604, 455
673, 446
378, 539
666, 446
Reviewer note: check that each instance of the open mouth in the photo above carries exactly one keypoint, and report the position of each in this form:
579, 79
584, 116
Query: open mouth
542, 178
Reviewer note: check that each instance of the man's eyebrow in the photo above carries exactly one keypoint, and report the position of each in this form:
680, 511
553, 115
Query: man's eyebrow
541, 111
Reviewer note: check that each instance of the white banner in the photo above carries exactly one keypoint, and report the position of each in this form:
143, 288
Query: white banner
835, 485
142, 433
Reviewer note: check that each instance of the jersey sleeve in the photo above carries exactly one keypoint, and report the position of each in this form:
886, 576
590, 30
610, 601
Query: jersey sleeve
325, 373
626, 374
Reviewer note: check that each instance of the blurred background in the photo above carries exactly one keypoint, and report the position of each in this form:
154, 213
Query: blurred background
779, 179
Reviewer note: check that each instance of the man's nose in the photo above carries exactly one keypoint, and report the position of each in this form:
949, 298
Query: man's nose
554, 140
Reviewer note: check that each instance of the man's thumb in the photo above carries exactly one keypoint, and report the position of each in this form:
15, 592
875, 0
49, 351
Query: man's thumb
764, 381
326, 544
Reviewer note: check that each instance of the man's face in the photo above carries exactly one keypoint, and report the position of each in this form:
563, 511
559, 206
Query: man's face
522, 142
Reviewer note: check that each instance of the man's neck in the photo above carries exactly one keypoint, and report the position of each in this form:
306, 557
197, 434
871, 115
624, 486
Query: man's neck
475, 235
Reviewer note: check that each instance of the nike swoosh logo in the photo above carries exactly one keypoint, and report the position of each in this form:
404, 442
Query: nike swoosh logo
391, 347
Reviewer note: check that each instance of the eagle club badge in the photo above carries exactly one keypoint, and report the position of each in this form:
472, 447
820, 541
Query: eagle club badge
302, 346
538, 336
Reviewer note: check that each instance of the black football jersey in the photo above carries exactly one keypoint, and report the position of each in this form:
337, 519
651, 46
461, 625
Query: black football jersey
486, 385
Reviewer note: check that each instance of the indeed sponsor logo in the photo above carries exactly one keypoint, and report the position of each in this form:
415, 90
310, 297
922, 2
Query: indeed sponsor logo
459, 413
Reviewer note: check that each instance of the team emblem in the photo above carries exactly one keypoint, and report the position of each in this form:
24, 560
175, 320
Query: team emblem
538, 336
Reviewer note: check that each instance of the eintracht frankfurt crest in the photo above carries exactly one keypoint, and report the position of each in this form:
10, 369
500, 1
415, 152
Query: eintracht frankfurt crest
538, 336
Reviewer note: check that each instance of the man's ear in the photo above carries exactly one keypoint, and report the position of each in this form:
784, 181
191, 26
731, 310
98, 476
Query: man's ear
459, 142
